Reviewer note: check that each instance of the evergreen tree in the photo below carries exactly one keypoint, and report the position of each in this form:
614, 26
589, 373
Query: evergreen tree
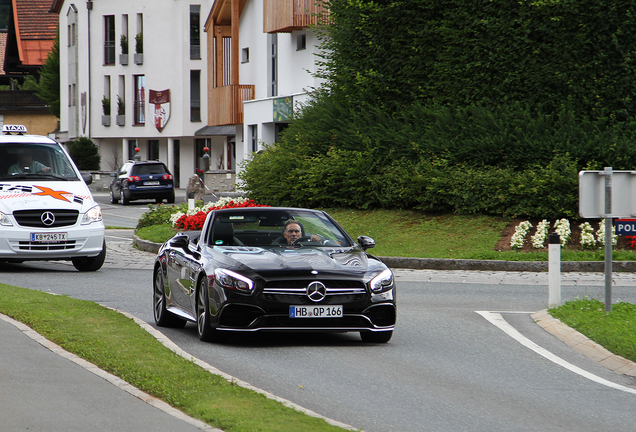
49, 87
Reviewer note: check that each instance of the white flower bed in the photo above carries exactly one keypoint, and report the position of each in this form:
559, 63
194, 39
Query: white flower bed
538, 239
519, 236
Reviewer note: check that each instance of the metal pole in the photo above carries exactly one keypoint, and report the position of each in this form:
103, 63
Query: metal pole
608, 239
554, 270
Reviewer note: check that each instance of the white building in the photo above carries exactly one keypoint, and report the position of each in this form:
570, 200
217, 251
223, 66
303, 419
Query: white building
231, 89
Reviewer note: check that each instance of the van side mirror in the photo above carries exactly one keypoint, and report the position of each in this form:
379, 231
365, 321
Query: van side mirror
87, 177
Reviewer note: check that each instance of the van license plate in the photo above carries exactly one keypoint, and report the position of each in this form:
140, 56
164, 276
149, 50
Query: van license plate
48, 237
333, 311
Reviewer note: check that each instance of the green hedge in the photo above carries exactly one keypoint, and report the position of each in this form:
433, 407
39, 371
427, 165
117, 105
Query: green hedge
343, 179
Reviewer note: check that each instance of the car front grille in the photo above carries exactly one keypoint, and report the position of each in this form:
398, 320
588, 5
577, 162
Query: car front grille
33, 218
52, 246
295, 291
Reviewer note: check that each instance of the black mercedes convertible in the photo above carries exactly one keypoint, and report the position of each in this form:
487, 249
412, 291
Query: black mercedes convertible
273, 269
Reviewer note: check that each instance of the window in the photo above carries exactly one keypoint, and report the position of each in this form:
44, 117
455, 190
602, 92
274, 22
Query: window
109, 39
272, 63
301, 42
132, 144
195, 32
140, 100
107, 108
195, 96
153, 149
245, 55
254, 137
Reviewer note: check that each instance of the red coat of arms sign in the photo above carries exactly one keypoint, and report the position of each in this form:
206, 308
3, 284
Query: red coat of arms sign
161, 102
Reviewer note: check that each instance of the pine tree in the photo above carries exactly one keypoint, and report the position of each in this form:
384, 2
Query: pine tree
49, 86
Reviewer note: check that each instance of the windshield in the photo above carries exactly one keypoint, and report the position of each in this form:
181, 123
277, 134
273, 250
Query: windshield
275, 228
45, 161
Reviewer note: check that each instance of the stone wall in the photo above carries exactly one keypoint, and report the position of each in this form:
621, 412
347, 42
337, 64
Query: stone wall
220, 181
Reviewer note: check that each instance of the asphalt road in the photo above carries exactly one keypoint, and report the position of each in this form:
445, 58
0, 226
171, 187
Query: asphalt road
446, 368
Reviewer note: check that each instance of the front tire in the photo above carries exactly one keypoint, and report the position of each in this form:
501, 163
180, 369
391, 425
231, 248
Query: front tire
376, 337
90, 263
163, 318
204, 328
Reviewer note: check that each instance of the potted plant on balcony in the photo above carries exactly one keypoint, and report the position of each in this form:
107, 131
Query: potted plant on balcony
123, 57
139, 48
106, 110
121, 111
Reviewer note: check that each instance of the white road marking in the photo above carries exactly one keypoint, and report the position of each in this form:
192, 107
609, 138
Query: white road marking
496, 319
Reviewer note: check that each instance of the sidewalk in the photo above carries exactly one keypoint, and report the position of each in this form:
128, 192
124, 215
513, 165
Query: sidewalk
44, 388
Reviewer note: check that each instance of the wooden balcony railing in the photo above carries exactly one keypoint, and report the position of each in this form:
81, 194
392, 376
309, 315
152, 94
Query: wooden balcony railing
285, 16
226, 104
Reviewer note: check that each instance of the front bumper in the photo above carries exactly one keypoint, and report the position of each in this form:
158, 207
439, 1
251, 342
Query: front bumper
84, 241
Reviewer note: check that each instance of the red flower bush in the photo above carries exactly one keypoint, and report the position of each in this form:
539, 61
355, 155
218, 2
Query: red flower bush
195, 222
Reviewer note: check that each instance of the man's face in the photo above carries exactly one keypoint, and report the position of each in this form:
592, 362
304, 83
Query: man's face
26, 158
292, 233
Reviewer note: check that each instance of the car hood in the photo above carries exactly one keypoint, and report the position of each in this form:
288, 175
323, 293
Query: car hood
46, 194
270, 262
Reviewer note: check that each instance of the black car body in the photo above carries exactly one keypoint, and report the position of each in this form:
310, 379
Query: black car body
236, 275
138, 180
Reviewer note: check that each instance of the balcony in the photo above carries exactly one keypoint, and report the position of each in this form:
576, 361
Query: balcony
285, 16
226, 104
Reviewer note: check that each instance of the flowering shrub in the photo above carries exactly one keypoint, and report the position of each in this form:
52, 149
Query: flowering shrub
193, 219
587, 236
516, 242
562, 228
600, 235
538, 239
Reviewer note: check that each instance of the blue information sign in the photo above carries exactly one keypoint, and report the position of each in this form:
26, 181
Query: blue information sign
626, 227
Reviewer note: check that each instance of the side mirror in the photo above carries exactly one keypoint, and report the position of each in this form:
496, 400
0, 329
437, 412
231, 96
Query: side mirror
87, 177
113, 175
180, 241
366, 242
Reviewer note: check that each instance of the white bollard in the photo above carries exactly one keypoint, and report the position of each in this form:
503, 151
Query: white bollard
554, 270
190, 201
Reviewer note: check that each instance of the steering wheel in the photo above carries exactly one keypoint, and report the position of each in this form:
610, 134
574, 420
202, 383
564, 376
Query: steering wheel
301, 239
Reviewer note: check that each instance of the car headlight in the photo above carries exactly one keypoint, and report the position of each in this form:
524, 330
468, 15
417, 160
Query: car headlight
382, 282
233, 281
92, 215
5, 220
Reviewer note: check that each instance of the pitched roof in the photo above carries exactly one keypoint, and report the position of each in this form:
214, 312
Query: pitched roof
35, 30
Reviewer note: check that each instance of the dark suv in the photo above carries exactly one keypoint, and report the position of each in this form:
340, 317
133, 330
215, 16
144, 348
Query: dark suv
142, 180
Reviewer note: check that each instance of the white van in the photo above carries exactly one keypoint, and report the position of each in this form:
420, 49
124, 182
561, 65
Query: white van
47, 211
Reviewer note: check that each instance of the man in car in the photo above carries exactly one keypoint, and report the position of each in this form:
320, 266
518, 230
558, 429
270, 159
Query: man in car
26, 164
292, 231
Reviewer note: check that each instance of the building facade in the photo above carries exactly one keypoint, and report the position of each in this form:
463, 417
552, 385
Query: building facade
262, 59
218, 74
132, 76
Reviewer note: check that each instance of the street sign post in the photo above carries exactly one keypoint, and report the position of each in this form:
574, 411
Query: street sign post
606, 195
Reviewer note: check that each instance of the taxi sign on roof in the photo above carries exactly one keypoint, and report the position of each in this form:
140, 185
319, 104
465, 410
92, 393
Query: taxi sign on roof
14, 128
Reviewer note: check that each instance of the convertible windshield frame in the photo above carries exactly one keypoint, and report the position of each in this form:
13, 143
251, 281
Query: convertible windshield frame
263, 227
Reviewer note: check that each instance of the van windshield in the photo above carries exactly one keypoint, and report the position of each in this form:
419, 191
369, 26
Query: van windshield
44, 161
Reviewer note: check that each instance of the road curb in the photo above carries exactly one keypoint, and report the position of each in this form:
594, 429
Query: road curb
510, 266
584, 345
467, 264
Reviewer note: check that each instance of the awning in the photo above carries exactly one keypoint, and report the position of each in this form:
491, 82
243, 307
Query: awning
216, 131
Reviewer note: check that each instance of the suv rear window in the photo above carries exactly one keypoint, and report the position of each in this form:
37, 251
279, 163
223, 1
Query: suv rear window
145, 169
